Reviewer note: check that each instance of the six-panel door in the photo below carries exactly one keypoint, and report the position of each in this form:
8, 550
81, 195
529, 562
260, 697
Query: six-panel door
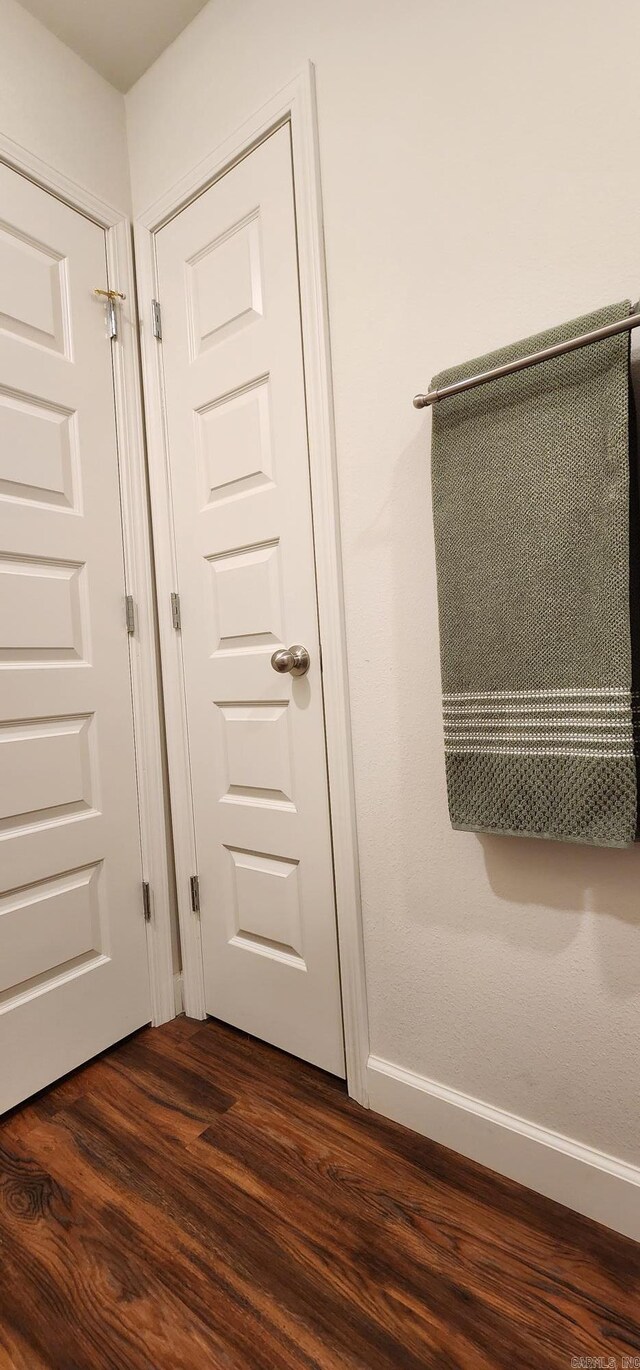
73, 967
235, 406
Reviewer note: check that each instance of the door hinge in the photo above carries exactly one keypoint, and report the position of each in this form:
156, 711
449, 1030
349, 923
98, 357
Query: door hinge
194, 885
130, 613
146, 901
176, 617
156, 320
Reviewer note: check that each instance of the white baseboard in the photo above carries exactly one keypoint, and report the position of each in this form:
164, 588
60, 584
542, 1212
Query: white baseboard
177, 994
592, 1183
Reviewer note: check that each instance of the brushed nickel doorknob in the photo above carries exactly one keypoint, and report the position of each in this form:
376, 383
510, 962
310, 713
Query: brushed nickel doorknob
295, 660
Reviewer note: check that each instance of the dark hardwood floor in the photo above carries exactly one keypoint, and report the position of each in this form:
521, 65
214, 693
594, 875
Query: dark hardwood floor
195, 1198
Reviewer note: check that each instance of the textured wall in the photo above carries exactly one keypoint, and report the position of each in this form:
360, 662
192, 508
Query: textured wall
479, 166
59, 108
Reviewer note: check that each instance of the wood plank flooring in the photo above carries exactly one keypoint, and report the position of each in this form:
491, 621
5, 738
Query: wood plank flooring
195, 1198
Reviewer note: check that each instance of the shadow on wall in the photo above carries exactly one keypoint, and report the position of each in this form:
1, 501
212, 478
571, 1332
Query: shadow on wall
602, 884
561, 875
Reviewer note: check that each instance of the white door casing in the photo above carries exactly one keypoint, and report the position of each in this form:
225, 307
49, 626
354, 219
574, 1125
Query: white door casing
237, 443
72, 939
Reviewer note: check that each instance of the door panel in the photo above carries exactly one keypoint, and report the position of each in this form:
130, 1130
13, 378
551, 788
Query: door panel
235, 406
73, 965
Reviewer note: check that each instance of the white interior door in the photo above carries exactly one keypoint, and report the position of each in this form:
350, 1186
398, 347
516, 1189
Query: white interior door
235, 408
73, 965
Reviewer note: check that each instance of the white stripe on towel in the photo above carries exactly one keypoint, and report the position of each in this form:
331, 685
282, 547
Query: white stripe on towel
569, 721
539, 737
525, 710
568, 692
464, 722
521, 751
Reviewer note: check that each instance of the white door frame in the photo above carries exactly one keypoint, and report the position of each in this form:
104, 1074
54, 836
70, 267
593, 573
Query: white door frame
137, 559
294, 104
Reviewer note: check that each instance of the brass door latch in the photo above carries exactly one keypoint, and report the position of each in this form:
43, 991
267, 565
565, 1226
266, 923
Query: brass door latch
110, 297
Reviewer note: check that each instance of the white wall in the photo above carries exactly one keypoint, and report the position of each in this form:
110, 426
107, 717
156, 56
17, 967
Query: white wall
480, 180
60, 109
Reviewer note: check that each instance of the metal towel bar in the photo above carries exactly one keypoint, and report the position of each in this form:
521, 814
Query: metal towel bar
609, 330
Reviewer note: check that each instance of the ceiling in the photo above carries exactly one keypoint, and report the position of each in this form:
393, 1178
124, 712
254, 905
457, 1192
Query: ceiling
119, 38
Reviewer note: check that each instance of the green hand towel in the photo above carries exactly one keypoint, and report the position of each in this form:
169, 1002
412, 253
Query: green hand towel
535, 501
